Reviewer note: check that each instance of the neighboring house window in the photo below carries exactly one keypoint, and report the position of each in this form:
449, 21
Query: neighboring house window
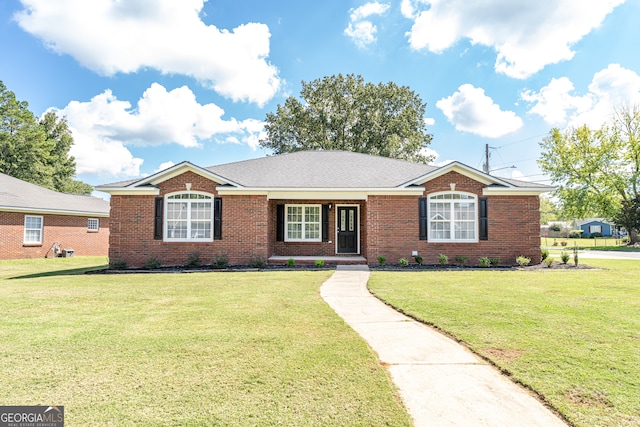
303, 223
595, 229
453, 217
33, 229
93, 224
189, 217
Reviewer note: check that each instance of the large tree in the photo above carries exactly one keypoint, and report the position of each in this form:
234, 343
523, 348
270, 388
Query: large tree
36, 150
598, 171
345, 113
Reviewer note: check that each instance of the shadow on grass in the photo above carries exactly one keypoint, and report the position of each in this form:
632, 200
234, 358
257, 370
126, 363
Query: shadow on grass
69, 272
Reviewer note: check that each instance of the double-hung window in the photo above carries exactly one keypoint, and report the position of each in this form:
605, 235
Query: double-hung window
93, 224
453, 217
33, 230
188, 217
303, 223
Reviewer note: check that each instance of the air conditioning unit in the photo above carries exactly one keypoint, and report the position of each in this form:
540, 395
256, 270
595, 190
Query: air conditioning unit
67, 253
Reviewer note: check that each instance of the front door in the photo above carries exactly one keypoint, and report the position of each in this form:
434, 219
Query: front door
347, 230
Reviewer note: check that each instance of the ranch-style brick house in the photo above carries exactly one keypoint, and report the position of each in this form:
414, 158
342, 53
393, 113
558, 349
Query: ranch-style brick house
313, 205
36, 222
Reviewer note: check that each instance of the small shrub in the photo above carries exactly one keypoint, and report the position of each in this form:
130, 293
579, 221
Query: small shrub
403, 262
193, 260
119, 264
564, 256
291, 262
548, 261
555, 227
257, 262
418, 259
563, 243
555, 242
575, 234
442, 259
461, 259
152, 263
523, 261
545, 254
596, 234
221, 261
382, 260
494, 261
319, 263
626, 240
575, 255
484, 262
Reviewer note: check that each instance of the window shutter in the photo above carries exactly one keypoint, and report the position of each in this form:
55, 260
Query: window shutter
157, 223
325, 223
217, 218
423, 218
280, 223
484, 220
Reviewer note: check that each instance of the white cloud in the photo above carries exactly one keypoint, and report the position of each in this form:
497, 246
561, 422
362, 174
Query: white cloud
112, 37
470, 110
164, 165
103, 127
429, 121
610, 88
361, 30
527, 36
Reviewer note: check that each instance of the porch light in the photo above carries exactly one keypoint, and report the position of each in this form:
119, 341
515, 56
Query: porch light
330, 206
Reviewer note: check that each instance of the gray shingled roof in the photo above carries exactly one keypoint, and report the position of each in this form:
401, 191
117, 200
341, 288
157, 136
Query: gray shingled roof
16, 194
322, 169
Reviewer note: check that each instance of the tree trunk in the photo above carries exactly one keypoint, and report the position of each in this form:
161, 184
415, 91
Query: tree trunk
633, 236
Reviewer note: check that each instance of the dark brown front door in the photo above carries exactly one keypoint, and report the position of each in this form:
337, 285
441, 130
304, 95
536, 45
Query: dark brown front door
347, 230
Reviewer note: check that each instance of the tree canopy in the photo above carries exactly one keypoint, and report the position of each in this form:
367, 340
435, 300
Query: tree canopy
598, 171
36, 150
345, 113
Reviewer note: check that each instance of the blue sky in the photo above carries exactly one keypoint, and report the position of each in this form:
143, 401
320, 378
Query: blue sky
145, 84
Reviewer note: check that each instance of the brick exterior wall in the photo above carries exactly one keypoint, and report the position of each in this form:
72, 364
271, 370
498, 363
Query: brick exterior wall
389, 226
392, 225
69, 231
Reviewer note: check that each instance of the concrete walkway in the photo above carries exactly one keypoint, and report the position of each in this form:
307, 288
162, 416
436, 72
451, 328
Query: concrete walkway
441, 382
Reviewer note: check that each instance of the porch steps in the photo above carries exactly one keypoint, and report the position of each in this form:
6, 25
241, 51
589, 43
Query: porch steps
310, 260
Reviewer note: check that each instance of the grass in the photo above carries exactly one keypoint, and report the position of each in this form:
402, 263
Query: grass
258, 348
600, 243
572, 336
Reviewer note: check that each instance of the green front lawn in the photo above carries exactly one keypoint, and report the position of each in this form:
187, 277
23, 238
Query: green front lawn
572, 336
230, 349
599, 243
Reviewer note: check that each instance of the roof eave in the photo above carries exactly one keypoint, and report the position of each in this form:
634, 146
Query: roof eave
45, 211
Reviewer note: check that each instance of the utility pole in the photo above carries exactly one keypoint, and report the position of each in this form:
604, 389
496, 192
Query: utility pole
485, 167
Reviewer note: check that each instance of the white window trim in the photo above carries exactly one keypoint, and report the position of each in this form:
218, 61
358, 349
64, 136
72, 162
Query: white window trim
165, 220
97, 222
474, 197
595, 229
286, 222
41, 230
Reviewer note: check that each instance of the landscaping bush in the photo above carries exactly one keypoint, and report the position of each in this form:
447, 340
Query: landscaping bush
548, 261
555, 227
523, 261
193, 260
461, 259
119, 264
545, 254
403, 262
484, 262
494, 261
221, 261
382, 260
564, 256
596, 234
319, 263
418, 259
257, 262
153, 263
291, 262
442, 259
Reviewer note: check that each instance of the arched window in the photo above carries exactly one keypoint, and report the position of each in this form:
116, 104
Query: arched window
188, 217
453, 217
